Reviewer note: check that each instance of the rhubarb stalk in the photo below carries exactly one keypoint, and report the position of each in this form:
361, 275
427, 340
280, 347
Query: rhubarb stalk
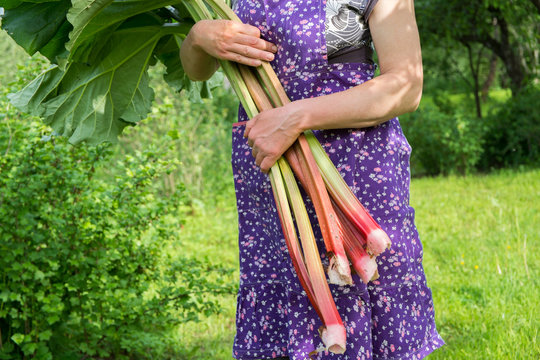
353, 241
376, 238
333, 333
338, 270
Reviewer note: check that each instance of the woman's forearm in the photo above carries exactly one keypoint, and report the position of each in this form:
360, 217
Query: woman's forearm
369, 104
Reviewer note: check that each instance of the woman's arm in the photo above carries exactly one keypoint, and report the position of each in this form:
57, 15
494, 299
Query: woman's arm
210, 40
396, 91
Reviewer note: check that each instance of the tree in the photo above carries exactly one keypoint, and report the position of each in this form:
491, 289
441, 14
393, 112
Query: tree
509, 29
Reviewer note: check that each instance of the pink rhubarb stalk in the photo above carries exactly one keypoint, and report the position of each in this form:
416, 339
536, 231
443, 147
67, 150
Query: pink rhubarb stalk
353, 241
338, 271
289, 232
364, 264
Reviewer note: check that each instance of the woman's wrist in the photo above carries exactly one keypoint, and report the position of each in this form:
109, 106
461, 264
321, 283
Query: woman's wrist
197, 63
194, 38
302, 116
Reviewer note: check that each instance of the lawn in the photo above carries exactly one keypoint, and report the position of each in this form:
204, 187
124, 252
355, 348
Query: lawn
480, 236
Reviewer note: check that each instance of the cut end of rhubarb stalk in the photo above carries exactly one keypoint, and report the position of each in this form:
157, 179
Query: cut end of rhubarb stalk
366, 267
334, 338
377, 242
375, 276
336, 273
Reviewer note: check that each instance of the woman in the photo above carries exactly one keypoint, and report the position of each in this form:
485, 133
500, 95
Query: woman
321, 51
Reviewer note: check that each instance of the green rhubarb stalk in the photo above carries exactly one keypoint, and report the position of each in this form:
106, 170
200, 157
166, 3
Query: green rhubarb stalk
333, 332
287, 225
377, 240
254, 88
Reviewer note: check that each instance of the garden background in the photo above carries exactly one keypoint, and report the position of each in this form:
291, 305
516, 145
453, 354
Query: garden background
129, 250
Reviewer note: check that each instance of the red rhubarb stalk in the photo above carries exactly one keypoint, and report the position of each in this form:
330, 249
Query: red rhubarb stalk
289, 232
339, 271
353, 241
364, 264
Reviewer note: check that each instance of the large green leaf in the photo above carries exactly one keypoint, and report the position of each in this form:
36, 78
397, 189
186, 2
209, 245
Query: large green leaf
94, 103
10, 4
101, 84
38, 26
95, 20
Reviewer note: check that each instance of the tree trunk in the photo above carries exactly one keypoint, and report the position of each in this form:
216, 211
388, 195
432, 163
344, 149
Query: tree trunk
504, 49
513, 63
475, 72
490, 77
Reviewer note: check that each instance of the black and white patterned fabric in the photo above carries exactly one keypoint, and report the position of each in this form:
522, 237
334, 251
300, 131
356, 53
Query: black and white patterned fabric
346, 25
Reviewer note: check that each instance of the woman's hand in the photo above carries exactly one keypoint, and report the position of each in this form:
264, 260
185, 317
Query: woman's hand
228, 40
272, 132
209, 40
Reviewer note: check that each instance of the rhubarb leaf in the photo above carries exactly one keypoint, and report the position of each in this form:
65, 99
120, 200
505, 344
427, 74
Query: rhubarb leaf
96, 20
38, 26
102, 49
94, 103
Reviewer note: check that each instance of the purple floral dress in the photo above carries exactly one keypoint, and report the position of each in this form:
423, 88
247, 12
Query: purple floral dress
392, 317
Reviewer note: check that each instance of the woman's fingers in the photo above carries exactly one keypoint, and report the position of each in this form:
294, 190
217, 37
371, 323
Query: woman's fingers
241, 59
247, 29
244, 51
256, 42
225, 39
249, 126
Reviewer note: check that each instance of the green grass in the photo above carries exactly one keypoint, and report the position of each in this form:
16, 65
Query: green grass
211, 234
481, 240
480, 237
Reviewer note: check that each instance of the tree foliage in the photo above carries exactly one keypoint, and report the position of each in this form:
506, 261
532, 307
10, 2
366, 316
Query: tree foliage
508, 29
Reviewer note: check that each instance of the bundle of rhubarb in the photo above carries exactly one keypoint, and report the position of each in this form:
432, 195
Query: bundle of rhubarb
349, 232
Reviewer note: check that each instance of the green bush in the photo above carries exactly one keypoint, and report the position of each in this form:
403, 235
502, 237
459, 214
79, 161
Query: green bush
85, 270
443, 143
513, 136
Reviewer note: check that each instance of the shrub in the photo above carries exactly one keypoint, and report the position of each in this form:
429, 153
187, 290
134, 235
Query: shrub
513, 136
443, 143
84, 271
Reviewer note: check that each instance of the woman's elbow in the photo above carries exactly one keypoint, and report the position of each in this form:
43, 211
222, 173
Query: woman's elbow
414, 93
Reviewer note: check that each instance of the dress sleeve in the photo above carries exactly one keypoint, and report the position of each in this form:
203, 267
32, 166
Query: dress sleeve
369, 8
